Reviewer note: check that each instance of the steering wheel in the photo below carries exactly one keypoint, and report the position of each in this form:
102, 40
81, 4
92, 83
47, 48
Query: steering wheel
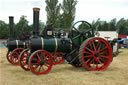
80, 27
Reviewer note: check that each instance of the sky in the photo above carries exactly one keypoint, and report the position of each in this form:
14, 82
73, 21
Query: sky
87, 10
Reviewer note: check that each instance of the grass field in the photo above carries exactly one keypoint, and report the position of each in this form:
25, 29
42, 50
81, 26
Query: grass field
64, 74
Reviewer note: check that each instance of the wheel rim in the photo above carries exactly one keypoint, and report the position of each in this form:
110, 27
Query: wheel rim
58, 58
23, 60
9, 57
97, 54
15, 56
40, 62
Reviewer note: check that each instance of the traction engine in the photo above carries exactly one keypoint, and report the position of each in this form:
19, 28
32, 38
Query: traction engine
80, 49
15, 46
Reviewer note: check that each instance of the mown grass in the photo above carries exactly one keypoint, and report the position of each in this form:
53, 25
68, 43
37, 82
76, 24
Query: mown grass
64, 74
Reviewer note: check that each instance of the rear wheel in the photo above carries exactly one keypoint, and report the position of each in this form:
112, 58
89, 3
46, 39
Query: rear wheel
15, 55
95, 54
40, 62
58, 58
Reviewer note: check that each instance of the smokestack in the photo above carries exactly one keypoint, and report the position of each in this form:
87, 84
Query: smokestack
11, 23
36, 21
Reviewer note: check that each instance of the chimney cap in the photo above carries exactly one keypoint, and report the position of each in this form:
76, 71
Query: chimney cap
36, 9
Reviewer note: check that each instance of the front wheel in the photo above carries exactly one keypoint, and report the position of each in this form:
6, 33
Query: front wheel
40, 62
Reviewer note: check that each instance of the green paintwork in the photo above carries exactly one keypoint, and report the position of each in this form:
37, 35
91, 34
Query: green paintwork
49, 44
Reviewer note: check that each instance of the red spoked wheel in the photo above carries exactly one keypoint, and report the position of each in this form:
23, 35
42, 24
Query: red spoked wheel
95, 54
40, 62
15, 55
23, 59
9, 57
58, 58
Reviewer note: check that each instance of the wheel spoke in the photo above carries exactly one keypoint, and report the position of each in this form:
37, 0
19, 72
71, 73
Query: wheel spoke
104, 48
46, 65
88, 60
38, 57
17, 53
91, 62
99, 47
104, 56
39, 68
98, 44
102, 60
36, 66
43, 68
86, 52
96, 64
89, 49
90, 45
102, 53
94, 45
99, 60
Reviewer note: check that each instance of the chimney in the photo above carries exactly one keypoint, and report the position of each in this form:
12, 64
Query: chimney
36, 21
11, 23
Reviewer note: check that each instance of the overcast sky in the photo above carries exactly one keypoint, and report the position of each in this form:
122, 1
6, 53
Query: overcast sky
88, 10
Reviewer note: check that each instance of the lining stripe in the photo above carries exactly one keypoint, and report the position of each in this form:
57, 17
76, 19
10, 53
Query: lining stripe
56, 45
24, 44
17, 43
42, 40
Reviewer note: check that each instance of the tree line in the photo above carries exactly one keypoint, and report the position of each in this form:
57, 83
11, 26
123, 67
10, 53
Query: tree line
62, 16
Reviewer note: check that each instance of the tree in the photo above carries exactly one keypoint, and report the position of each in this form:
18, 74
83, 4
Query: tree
97, 24
69, 9
122, 26
41, 26
4, 30
112, 25
53, 12
22, 26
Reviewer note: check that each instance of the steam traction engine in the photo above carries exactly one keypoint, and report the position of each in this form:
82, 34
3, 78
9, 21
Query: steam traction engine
15, 46
80, 49
47, 33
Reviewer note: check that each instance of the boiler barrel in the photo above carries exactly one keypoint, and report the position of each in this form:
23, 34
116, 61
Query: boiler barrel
16, 44
52, 44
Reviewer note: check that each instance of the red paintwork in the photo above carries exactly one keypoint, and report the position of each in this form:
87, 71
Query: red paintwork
122, 36
23, 60
15, 55
35, 60
58, 58
93, 63
9, 57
